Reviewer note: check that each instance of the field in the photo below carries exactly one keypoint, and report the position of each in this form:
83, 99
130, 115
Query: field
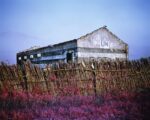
106, 90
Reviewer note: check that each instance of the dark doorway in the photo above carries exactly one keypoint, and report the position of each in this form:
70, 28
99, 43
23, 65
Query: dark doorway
69, 57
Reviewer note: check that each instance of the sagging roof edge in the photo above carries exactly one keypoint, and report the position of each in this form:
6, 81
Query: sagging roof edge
48, 46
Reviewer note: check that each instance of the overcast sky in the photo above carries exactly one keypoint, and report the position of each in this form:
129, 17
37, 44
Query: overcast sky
26, 23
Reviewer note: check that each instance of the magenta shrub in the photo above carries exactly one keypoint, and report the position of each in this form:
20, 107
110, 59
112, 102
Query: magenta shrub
121, 105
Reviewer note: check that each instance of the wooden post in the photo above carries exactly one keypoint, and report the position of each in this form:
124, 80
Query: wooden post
24, 76
94, 78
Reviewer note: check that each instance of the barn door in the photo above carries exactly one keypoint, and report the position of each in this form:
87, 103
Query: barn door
69, 56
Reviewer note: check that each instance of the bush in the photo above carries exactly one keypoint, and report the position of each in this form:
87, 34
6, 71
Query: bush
110, 106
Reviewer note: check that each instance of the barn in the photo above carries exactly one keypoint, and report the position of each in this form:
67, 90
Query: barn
97, 45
